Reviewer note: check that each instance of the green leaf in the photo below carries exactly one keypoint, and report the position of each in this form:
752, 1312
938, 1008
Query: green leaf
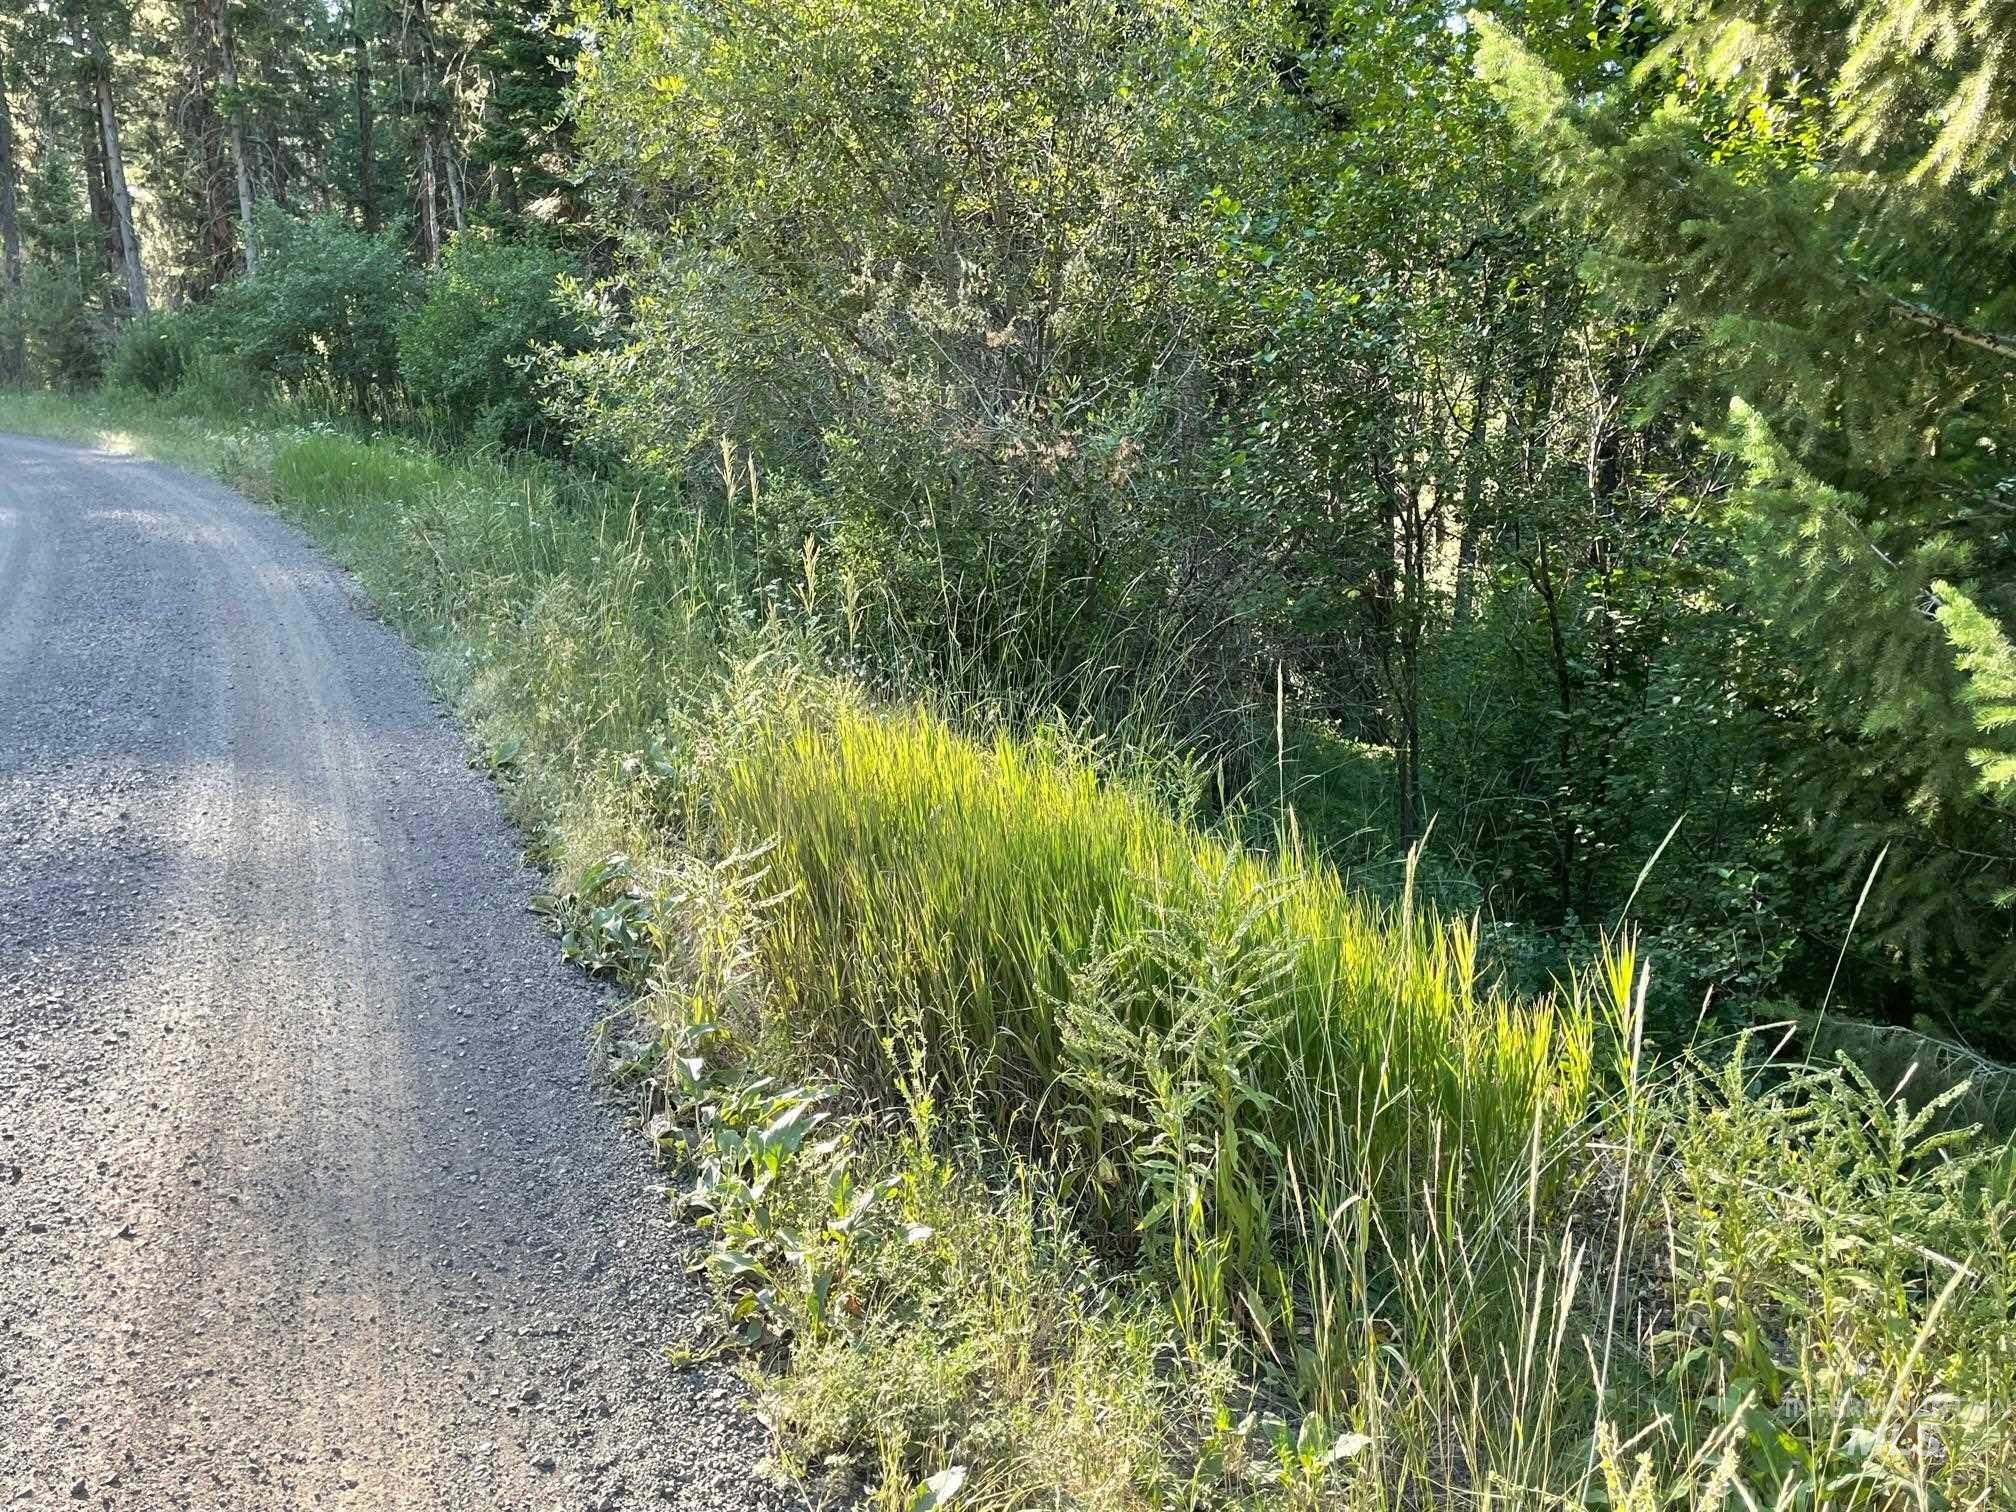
938, 1491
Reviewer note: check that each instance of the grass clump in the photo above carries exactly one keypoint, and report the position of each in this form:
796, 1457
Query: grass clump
1102, 979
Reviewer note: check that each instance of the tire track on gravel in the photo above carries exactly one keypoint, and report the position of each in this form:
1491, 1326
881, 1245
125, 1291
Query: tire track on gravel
304, 1196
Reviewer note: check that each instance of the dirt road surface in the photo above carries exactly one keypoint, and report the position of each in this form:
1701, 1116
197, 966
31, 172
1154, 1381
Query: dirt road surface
306, 1199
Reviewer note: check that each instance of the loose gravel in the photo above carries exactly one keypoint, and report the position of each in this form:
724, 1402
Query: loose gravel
306, 1195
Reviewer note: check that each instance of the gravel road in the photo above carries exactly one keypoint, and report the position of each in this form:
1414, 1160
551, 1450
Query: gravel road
306, 1197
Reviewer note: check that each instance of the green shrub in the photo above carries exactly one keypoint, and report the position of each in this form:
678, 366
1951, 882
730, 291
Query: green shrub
466, 354
58, 328
153, 353
222, 386
323, 315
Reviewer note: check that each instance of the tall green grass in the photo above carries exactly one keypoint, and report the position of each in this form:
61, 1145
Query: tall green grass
1032, 918
1462, 1245
1274, 1096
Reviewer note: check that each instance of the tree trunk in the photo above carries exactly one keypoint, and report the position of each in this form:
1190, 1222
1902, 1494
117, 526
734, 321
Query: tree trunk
228, 62
10, 211
279, 164
1474, 468
12, 357
430, 226
367, 193
423, 114
220, 234
115, 174
454, 177
97, 191
204, 128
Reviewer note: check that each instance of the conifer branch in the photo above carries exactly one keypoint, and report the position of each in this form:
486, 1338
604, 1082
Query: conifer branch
1988, 341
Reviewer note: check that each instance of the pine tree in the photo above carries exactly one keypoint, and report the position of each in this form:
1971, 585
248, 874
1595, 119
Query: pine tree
1987, 659
525, 141
12, 358
1806, 205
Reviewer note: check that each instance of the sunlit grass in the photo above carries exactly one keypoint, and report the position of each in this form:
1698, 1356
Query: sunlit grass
999, 891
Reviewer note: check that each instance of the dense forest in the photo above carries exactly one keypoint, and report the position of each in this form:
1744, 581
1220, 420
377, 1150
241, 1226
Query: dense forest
1540, 466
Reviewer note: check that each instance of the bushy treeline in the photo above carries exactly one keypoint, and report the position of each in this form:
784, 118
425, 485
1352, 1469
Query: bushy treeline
1315, 397
1344, 405
342, 320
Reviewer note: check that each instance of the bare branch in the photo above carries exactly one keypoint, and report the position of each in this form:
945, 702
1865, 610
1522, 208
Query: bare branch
1988, 341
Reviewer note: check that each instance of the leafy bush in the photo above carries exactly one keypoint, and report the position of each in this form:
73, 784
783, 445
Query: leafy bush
323, 315
153, 353
222, 386
467, 352
951, 349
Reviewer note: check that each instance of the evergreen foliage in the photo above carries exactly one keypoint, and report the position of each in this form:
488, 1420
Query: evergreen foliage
1986, 658
525, 135
1797, 202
